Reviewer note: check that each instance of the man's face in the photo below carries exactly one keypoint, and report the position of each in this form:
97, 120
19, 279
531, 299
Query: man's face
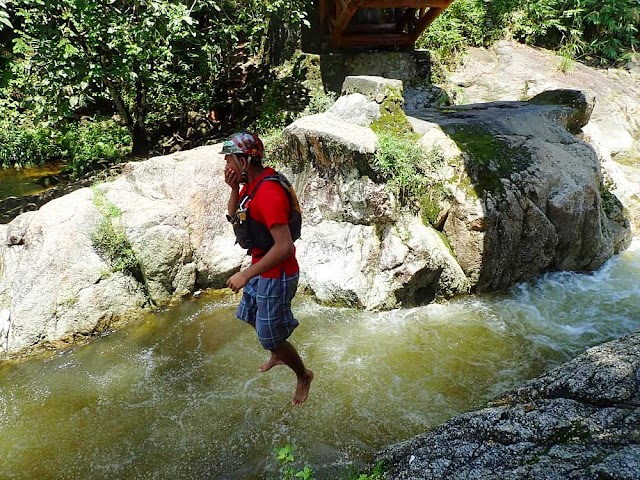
234, 166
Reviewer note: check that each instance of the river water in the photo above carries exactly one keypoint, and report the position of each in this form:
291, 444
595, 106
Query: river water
178, 395
21, 182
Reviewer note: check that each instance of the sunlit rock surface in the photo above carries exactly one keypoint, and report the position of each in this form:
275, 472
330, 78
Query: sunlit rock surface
519, 195
511, 71
56, 286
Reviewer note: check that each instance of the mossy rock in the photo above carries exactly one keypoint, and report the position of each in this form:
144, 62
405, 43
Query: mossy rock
491, 158
392, 119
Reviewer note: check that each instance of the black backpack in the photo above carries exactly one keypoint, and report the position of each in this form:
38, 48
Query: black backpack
250, 233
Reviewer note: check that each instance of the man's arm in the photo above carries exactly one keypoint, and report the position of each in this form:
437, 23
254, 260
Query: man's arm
233, 201
281, 250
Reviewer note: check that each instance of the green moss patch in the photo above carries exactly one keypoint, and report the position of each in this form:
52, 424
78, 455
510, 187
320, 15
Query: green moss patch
112, 244
491, 158
392, 118
431, 203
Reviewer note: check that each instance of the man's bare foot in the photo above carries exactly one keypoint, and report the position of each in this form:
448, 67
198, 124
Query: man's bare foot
302, 388
269, 364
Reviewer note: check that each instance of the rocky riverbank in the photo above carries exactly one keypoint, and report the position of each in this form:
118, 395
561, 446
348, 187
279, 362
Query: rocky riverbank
87, 260
578, 421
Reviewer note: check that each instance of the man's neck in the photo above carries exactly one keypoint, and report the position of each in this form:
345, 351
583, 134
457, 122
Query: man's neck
254, 173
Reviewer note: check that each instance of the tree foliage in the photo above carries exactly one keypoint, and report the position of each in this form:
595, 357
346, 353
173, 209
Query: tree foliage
589, 30
146, 60
147, 64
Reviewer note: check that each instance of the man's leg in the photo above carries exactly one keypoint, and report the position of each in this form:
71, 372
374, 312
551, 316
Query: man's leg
286, 354
274, 322
272, 362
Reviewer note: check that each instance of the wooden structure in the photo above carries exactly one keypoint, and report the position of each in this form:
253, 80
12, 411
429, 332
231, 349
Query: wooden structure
377, 23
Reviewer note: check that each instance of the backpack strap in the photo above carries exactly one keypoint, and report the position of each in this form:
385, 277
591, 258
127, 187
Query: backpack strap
275, 177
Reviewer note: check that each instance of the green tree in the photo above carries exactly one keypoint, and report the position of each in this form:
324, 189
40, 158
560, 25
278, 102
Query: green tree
73, 51
4, 16
148, 59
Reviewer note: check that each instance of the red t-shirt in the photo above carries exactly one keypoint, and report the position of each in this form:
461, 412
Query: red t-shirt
270, 206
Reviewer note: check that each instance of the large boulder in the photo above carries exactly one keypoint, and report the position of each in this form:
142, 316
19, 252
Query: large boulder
358, 247
504, 72
56, 282
526, 196
522, 195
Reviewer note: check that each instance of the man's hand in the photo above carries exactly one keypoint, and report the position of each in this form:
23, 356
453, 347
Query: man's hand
237, 281
231, 178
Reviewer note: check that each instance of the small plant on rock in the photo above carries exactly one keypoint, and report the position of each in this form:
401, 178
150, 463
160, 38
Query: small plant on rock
111, 242
288, 471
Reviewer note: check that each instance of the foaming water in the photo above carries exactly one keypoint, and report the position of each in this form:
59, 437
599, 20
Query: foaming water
179, 395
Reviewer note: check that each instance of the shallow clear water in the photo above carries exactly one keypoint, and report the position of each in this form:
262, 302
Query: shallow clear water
178, 396
20, 182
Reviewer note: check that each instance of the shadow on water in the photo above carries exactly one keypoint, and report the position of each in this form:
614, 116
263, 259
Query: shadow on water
179, 395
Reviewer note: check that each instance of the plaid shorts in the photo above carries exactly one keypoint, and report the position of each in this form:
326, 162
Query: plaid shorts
266, 304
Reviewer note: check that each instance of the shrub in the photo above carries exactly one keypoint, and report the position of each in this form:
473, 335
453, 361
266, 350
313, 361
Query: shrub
588, 30
287, 471
319, 102
412, 174
112, 244
400, 161
462, 25
591, 30
83, 147
25, 144
110, 241
94, 143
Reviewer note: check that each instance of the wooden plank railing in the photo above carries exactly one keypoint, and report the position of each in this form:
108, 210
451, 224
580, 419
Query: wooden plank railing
336, 18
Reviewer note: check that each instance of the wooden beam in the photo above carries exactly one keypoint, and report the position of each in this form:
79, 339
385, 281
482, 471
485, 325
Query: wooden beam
337, 17
404, 3
344, 17
372, 28
424, 23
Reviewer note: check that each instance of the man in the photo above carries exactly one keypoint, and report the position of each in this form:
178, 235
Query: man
271, 281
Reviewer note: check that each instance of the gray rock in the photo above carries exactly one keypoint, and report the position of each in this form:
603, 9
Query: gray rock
504, 72
579, 105
511, 71
376, 89
523, 198
356, 109
524, 191
55, 285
